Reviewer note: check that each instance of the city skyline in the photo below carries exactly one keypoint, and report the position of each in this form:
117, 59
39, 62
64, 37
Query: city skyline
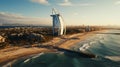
74, 12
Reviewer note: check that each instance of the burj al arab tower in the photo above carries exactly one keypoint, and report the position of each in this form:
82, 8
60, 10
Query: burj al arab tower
59, 27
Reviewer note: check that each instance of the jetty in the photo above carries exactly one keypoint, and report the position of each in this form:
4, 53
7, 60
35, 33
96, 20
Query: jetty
69, 52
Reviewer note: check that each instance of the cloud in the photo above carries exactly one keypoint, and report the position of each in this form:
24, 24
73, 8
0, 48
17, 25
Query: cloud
117, 3
66, 3
8, 18
75, 13
44, 2
84, 4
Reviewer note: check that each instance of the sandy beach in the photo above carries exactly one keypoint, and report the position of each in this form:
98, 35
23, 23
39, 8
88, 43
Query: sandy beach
66, 42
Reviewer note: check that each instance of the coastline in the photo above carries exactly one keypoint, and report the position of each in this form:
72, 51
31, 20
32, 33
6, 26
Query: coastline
66, 42
13, 53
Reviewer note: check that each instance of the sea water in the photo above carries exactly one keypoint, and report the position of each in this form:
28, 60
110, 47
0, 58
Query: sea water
105, 46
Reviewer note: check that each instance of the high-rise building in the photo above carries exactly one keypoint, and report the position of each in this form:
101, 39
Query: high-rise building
59, 27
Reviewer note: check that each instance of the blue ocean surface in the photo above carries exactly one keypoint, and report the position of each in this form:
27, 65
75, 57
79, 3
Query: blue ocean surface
105, 46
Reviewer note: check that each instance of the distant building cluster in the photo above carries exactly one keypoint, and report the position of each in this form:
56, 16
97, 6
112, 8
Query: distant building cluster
17, 36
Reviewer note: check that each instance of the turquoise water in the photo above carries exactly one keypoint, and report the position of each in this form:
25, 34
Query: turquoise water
105, 46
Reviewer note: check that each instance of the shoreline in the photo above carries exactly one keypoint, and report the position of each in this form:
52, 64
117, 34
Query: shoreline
18, 52
12, 53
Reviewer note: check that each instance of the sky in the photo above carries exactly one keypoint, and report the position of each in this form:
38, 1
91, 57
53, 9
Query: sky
74, 12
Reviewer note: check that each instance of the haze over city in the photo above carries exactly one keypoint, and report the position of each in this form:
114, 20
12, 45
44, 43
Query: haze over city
74, 12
